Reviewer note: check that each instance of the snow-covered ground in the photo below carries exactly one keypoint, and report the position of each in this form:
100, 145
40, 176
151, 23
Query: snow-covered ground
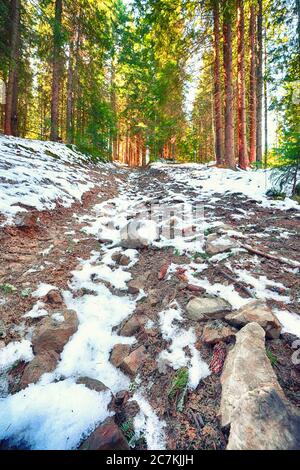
212, 182
40, 174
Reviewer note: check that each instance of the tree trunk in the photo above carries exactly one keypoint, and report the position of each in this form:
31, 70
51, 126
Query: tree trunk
266, 102
242, 133
70, 84
11, 108
229, 121
252, 93
56, 71
259, 81
217, 87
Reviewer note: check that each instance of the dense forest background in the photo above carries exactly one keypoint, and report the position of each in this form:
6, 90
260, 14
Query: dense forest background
114, 77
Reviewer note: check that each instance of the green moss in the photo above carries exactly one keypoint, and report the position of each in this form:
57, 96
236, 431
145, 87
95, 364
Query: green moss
179, 382
7, 288
272, 358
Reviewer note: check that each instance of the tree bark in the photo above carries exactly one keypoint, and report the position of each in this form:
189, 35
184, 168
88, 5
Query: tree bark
56, 71
70, 84
266, 101
11, 107
259, 81
242, 132
252, 92
219, 138
229, 120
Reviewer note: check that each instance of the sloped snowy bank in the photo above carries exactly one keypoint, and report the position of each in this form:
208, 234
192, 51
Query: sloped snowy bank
38, 174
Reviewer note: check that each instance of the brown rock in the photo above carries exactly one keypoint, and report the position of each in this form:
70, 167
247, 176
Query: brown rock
121, 397
44, 362
134, 286
217, 331
107, 436
131, 327
92, 384
132, 363
124, 260
153, 297
118, 354
54, 297
54, 336
256, 311
116, 257
131, 409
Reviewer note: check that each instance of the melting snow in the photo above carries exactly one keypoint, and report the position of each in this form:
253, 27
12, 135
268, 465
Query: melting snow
147, 424
290, 321
37, 311
43, 290
14, 352
175, 355
52, 417
41, 173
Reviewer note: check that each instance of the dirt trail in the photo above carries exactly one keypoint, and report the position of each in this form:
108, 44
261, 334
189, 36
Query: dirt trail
48, 252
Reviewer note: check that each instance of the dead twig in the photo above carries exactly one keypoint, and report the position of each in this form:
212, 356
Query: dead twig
294, 264
234, 280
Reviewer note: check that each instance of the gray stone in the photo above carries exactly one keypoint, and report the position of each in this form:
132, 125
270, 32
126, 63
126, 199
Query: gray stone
252, 401
256, 311
202, 308
264, 421
131, 236
219, 244
246, 368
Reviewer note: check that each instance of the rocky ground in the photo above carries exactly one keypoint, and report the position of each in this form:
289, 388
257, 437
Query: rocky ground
189, 343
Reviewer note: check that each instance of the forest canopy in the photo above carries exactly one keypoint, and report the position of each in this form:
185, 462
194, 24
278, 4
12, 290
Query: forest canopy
143, 80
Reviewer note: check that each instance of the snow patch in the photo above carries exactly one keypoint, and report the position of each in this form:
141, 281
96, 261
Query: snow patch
15, 352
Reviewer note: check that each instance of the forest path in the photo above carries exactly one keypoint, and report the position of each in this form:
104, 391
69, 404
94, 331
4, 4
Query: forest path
151, 287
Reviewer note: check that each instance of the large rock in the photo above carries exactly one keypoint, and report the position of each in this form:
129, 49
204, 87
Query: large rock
252, 401
44, 362
107, 436
246, 368
219, 244
133, 362
51, 335
263, 421
256, 311
216, 331
202, 308
138, 234
118, 354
